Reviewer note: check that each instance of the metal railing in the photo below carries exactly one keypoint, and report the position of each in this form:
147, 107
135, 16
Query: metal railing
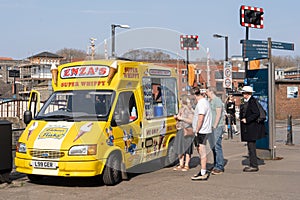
13, 108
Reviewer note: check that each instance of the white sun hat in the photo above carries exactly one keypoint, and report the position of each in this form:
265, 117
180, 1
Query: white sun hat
247, 89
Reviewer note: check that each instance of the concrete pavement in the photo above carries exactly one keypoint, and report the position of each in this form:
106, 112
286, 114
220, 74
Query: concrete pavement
276, 179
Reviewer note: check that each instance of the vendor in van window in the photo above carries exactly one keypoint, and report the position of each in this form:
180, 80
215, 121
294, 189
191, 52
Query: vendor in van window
157, 95
100, 104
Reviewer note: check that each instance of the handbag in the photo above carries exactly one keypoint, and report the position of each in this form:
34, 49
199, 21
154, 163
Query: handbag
188, 131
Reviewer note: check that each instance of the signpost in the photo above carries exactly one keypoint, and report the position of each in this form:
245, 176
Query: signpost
258, 49
227, 75
14, 73
252, 17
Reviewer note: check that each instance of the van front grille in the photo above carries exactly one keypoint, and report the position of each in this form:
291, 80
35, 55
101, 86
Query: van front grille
47, 154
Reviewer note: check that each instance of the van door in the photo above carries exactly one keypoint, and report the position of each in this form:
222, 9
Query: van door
34, 102
126, 120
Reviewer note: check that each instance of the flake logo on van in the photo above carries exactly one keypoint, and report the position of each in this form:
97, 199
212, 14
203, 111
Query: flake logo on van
53, 133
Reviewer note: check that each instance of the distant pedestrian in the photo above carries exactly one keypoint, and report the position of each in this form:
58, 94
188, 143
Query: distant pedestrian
184, 137
230, 110
215, 140
202, 127
251, 129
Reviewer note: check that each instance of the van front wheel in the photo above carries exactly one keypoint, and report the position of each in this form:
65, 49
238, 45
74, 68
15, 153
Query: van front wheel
112, 171
34, 178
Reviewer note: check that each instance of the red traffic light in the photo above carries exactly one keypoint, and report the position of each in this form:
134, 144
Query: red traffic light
251, 17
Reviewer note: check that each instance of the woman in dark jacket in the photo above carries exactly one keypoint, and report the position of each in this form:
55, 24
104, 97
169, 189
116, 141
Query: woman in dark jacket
251, 129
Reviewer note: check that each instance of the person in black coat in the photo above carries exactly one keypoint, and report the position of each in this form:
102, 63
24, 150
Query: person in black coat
251, 129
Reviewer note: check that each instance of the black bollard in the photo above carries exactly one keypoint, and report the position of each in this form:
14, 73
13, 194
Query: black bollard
289, 140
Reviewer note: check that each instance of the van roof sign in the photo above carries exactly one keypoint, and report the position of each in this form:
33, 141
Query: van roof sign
160, 72
84, 71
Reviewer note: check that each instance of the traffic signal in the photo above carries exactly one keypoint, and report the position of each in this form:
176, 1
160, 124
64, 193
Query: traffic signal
251, 17
189, 42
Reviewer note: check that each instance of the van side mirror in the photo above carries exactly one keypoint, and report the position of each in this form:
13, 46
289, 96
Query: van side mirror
27, 116
113, 122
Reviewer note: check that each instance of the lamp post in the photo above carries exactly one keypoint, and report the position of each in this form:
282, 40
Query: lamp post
226, 44
113, 29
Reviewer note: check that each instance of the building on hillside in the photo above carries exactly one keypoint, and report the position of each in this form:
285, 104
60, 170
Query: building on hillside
37, 72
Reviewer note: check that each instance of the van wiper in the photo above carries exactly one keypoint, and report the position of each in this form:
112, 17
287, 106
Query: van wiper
55, 117
93, 117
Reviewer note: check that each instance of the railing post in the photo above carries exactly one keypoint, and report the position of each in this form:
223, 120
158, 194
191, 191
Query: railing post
289, 140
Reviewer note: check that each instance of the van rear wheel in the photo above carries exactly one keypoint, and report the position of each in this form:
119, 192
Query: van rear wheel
112, 171
171, 158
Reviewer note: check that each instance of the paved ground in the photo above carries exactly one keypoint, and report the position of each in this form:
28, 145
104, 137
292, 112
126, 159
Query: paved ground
276, 179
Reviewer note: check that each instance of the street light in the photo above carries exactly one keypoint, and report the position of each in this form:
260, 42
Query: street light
226, 44
113, 27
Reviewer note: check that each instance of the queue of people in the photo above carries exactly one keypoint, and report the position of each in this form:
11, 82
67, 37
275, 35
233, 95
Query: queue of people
203, 123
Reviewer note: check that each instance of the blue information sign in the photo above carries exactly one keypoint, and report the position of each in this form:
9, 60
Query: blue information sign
255, 49
258, 49
283, 46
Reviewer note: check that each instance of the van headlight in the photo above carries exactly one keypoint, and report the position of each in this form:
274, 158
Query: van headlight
83, 150
21, 147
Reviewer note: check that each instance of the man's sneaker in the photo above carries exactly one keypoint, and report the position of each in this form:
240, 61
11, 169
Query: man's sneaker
201, 177
198, 174
216, 172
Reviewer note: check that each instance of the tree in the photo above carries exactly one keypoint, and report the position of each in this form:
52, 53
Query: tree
72, 54
147, 54
283, 61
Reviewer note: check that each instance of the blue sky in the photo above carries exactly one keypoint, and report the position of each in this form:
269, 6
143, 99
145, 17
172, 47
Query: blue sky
32, 26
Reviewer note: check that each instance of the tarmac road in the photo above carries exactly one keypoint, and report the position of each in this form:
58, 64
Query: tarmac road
276, 179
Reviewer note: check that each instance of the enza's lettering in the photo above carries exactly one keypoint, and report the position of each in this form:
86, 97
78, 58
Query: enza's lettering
84, 71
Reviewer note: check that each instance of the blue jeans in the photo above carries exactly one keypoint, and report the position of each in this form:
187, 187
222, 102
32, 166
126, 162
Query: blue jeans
215, 142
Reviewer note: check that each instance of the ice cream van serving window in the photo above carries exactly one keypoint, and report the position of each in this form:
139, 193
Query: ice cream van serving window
160, 97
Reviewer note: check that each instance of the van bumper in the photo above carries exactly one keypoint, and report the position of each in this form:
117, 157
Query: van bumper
66, 169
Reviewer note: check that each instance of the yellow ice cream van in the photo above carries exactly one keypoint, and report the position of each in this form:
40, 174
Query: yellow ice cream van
104, 118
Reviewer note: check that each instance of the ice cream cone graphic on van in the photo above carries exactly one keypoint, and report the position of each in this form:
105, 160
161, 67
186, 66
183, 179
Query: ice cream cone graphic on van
112, 71
32, 127
54, 72
85, 128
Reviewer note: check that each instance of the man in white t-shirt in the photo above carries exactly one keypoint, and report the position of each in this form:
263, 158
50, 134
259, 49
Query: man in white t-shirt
202, 127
